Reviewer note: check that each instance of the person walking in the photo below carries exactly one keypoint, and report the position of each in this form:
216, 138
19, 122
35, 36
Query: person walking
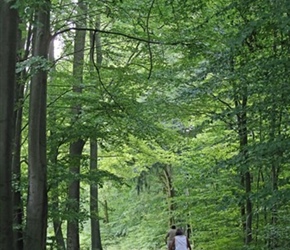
180, 241
170, 236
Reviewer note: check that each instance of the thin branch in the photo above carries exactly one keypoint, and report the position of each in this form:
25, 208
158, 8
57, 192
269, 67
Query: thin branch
57, 98
121, 34
134, 54
222, 101
99, 75
148, 37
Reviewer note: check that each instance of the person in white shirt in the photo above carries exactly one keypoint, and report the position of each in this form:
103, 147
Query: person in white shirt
180, 241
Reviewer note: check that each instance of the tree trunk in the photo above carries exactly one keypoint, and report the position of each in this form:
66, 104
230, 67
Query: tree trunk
95, 44
94, 199
240, 96
106, 211
8, 41
166, 177
246, 209
16, 161
56, 220
73, 241
16, 169
275, 131
77, 146
57, 223
36, 218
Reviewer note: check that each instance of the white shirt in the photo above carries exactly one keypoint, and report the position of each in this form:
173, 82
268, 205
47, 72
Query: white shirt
180, 242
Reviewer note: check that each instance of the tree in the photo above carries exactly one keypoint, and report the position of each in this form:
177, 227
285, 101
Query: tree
36, 215
76, 147
95, 51
8, 29
23, 52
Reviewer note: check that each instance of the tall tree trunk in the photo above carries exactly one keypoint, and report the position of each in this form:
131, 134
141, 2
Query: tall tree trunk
94, 199
36, 218
106, 211
73, 240
76, 147
56, 221
8, 41
16, 161
246, 209
16, 169
275, 131
240, 96
95, 44
276, 113
166, 177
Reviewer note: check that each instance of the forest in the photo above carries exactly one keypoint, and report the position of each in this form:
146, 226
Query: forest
120, 118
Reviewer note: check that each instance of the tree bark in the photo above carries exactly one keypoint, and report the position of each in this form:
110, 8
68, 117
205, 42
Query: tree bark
8, 41
275, 131
21, 85
95, 44
246, 209
240, 97
36, 218
57, 223
76, 147
166, 177
73, 240
54, 151
94, 199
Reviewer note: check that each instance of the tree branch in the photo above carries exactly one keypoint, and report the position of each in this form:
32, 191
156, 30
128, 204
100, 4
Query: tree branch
121, 34
148, 37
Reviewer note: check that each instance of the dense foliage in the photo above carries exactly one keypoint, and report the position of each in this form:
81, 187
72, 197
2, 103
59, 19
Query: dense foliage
158, 112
